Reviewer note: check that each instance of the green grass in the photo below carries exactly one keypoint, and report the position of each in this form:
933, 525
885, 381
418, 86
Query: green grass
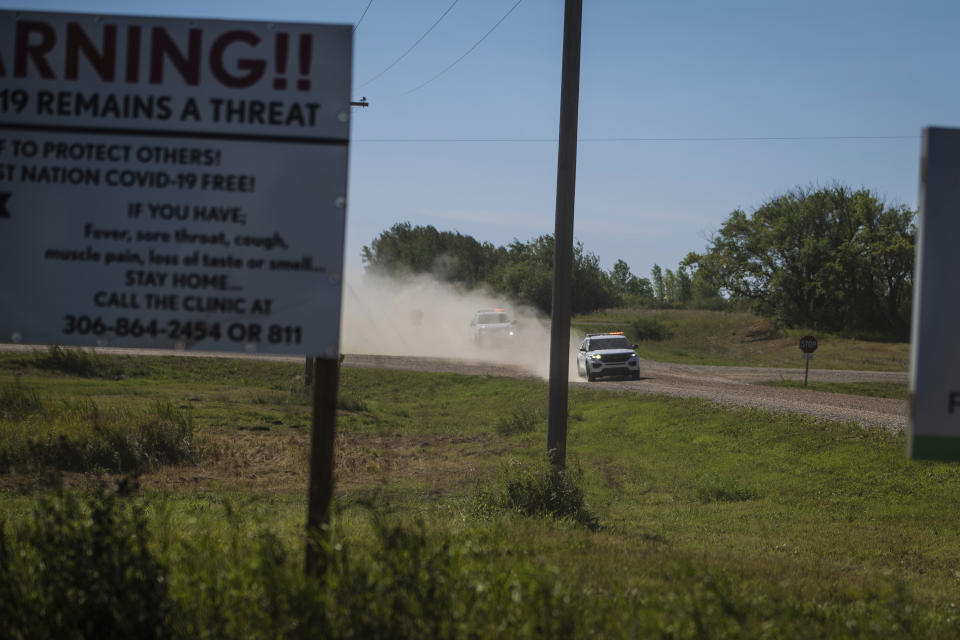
867, 389
677, 518
738, 339
80, 435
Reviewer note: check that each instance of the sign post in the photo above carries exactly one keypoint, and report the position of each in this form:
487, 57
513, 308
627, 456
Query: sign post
808, 344
935, 341
177, 183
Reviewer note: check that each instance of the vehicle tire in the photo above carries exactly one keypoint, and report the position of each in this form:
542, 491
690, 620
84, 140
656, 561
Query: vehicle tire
591, 377
635, 376
580, 371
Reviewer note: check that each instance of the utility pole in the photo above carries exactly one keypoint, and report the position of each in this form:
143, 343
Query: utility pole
563, 235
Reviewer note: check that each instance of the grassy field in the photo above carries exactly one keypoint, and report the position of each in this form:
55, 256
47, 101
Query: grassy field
741, 339
676, 518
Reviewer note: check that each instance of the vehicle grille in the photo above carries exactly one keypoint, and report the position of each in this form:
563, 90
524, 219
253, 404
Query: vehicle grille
617, 371
615, 357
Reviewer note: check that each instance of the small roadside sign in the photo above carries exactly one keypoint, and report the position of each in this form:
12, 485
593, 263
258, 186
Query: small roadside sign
173, 182
808, 344
935, 341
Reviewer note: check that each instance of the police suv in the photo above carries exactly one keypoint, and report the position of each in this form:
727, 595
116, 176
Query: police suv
607, 354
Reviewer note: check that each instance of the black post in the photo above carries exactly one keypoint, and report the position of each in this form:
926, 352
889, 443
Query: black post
563, 235
326, 375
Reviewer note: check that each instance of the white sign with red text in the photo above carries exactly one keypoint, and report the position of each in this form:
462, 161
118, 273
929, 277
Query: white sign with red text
169, 182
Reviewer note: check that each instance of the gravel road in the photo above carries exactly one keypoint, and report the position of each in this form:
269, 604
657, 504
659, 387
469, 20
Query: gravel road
726, 385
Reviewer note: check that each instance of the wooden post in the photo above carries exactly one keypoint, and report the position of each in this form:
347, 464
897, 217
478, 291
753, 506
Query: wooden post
563, 235
326, 374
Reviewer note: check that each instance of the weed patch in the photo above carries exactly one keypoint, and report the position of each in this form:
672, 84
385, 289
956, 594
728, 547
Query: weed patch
17, 402
518, 421
82, 436
77, 362
538, 490
717, 489
352, 403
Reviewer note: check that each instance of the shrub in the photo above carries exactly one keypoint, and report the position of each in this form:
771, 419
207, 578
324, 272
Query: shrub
82, 569
650, 328
541, 491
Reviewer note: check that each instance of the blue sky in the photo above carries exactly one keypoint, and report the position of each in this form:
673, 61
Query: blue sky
675, 97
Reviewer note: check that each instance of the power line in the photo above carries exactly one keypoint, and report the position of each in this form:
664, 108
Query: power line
363, 15
404, 54
631, 139
475, 45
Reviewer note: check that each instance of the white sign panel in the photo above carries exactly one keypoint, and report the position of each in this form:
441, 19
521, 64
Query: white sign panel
172, 182
935, 343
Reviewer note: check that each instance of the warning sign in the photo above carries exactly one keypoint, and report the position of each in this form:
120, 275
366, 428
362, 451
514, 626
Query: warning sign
172, 182
935, 343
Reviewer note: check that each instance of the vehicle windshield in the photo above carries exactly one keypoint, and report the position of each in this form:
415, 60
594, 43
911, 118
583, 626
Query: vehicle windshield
618, 342
492, 318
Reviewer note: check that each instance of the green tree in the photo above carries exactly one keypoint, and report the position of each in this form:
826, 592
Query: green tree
633, 291
527, 275
670, 288
641, 293
450, 256
523, 270
832, 259
684, 286
704, 293
621, 276
659, 288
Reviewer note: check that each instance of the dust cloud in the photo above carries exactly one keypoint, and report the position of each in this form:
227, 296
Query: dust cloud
422, 317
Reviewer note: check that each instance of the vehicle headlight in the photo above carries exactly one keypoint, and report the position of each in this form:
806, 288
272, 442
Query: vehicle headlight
595, 356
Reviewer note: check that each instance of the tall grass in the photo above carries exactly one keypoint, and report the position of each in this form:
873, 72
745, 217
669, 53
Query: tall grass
91, 568
77, 362
82, 436
17, 402
537, 490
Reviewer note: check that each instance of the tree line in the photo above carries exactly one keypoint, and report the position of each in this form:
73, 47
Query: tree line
831, 259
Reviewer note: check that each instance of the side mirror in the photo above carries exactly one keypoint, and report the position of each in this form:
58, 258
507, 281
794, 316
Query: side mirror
636, 346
